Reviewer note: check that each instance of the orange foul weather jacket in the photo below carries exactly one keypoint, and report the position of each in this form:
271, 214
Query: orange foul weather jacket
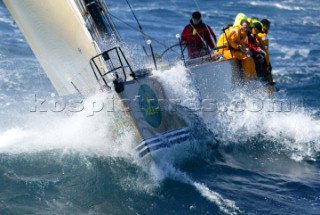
234, 38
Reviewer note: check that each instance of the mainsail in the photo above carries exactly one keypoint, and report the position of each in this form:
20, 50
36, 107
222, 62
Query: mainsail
57, 34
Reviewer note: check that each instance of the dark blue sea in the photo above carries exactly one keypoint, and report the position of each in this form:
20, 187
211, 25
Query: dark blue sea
264, 162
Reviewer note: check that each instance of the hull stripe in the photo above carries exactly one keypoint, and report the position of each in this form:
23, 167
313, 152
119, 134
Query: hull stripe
165, 140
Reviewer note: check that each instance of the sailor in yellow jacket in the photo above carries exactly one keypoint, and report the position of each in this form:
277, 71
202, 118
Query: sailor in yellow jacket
234, 38
264, 44
264, 40
238, 19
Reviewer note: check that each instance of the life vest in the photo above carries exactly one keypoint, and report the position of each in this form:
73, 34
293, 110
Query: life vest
264, 44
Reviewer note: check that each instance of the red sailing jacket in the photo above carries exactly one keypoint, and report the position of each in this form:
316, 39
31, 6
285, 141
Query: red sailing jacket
191, 35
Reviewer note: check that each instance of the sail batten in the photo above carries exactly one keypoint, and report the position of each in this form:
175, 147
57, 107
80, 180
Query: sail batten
56, 32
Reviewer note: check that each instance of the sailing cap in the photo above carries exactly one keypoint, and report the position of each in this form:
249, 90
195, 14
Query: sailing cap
196, 15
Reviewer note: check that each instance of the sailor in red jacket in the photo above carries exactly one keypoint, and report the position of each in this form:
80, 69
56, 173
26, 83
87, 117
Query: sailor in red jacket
198, 37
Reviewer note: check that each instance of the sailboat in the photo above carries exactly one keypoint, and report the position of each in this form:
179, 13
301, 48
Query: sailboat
66, 37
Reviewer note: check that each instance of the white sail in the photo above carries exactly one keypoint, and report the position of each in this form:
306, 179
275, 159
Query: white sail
56, 32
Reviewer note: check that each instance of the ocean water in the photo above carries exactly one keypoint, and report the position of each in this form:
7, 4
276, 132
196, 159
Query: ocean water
264, 162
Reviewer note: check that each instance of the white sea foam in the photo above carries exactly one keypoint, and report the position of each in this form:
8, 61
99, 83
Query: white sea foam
281, 121
290, 52
313, 21
166, 170
287, 7
178, 84
225, 205
103, 134
277, 5
6, 20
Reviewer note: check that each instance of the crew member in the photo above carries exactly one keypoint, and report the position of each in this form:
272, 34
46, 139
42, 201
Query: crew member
198, 37
265, 46
254, 45
234, 39
238, 19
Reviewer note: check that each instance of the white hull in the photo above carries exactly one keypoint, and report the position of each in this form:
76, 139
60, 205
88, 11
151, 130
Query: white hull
216, 80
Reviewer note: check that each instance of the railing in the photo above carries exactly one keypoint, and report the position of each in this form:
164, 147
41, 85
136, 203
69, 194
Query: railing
115, 63
209, 55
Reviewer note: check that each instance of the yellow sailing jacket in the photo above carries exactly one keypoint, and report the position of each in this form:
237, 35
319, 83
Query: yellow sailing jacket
236, 38
264, 44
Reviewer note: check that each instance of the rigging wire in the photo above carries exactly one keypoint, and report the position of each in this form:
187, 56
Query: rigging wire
140, 27
211, 37
135, 17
